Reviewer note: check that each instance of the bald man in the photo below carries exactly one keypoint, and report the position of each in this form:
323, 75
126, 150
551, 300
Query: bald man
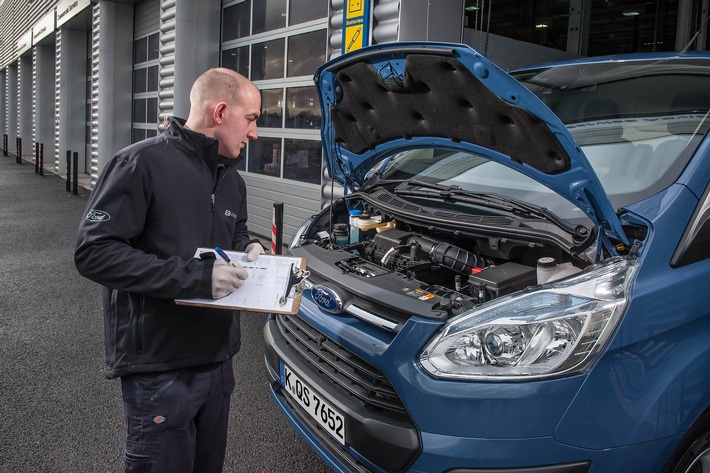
153, 205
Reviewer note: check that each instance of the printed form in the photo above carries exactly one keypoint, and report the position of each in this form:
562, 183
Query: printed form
268, 279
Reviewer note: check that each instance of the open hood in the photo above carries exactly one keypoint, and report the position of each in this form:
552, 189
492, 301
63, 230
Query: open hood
399, 95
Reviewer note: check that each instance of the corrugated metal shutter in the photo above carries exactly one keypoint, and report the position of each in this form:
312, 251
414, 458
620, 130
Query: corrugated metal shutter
166, 96
34, 101
95, 25
146, 18
3, 101
57, 102
19, 99
18, 17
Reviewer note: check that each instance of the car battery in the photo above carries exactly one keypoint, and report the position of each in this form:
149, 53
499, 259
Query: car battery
500, 280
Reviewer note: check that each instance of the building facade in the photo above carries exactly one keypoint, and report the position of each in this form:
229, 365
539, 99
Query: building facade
84, 78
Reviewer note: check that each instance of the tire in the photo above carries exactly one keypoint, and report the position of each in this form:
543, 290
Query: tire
692, 455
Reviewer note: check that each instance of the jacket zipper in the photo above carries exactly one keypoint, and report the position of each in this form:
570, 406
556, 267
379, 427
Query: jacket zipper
214, 190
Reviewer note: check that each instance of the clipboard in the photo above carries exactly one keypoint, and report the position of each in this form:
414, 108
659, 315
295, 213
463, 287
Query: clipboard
274, 285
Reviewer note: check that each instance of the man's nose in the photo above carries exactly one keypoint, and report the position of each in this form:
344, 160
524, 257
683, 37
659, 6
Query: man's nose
253, 133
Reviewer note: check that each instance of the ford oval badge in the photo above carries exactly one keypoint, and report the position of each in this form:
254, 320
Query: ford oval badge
327, 299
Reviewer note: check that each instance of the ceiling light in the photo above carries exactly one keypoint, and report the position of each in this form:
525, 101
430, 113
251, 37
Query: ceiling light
540, 26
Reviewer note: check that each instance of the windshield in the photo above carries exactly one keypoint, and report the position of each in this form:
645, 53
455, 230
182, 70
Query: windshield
637, 122
475, 174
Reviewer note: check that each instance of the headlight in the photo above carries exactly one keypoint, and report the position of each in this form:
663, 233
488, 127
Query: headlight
553, 330
296, 240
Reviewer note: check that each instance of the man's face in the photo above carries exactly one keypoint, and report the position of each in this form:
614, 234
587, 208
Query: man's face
239, 123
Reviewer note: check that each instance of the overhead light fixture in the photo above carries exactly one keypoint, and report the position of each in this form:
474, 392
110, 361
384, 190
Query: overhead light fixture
634, 10
541, 26
472, 5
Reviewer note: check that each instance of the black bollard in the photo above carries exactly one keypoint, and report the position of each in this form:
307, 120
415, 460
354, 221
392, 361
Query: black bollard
36, 157
41, 159
18, 156
68, 170
75, 173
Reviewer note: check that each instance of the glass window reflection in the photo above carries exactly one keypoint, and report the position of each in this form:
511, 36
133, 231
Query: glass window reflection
306, 52
235, 21
301, 11
267, 60
303, 160
268, 15
140, 50
265, 156
271, 109
237, 59
139, 81
302, 108
139, 110
152, 79
153, 47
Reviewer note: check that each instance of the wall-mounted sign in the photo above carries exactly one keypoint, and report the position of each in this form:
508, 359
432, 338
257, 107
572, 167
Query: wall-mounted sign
24, 43
68, 9
43, 27
356, 25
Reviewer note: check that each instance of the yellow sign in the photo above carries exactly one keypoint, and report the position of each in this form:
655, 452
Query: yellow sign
353, 38
355, 8
356, 25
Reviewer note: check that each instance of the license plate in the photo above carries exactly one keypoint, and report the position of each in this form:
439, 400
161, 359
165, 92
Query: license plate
312, 402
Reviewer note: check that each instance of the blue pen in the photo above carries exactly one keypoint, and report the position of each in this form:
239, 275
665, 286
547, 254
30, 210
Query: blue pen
224, 256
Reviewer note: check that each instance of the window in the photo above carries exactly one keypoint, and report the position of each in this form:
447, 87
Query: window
265, 156
145, 87
271, 108
268, 15
306, 52
303, 110
614, 27
237, 59
303, 160
279, 44
235, 21
306, 10
267, 60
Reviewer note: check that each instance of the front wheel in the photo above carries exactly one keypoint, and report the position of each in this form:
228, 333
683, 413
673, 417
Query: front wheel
692, 455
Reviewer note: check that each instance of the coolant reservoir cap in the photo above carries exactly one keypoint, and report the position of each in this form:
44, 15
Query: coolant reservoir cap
546, 262
355, 212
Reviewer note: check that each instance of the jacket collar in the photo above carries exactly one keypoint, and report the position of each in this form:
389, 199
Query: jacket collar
206, 147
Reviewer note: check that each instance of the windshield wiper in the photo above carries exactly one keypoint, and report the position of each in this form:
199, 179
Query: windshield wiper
418, 188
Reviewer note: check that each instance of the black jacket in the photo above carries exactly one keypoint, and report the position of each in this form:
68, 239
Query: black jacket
153, 205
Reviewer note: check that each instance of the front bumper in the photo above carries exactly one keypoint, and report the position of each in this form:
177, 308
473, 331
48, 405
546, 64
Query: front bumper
430, 436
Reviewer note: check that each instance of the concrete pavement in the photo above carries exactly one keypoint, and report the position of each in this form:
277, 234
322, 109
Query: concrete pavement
57, 411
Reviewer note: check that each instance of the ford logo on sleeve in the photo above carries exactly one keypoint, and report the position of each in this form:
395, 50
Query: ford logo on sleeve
327, 299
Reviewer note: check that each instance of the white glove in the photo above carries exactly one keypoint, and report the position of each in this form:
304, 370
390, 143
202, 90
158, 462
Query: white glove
253, 250
227, 278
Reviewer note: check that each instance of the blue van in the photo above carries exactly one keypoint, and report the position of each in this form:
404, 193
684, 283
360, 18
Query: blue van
517, 278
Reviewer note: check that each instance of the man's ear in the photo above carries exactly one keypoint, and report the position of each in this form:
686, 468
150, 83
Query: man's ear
218, 112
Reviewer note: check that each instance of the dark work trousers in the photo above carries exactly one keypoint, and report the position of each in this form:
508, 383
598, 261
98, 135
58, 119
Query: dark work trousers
176, 421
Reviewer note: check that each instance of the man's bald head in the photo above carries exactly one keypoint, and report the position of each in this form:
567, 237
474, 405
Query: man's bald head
216, 85
225, 105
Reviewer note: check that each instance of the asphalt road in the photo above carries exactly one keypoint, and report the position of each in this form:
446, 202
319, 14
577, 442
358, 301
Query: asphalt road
58, 413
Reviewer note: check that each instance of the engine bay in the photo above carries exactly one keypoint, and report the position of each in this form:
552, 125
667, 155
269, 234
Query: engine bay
391, 258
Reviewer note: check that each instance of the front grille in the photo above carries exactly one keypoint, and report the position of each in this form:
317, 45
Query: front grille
347, 371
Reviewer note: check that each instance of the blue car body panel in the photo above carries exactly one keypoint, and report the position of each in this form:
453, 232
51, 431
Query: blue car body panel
627, 412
